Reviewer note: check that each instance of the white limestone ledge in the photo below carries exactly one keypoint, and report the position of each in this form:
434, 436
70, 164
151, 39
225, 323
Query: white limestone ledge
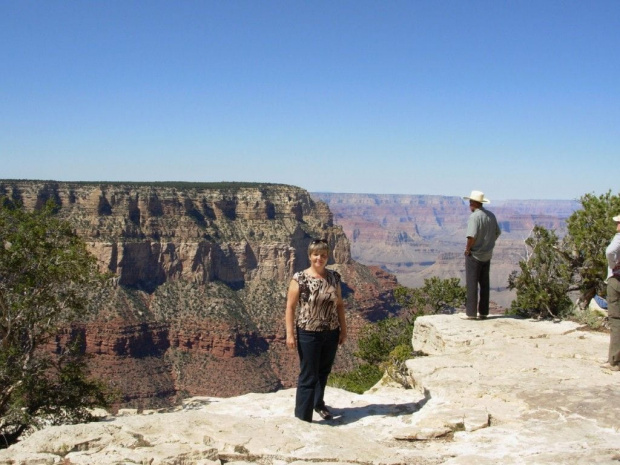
499, 391
538, 383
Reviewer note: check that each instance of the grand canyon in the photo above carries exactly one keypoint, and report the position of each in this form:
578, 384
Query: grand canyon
198, 275
199, 272
415, 237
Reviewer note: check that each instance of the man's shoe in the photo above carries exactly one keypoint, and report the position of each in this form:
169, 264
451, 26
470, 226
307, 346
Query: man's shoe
482, 317
464, 316
611, 367
324, 413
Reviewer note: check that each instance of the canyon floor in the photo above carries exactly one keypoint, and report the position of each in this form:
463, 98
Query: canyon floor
499, 391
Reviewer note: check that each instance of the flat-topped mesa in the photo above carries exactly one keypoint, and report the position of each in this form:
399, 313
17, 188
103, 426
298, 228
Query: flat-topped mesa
150, 233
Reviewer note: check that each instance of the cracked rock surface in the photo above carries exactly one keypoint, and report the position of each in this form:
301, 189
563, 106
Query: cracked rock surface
503, 390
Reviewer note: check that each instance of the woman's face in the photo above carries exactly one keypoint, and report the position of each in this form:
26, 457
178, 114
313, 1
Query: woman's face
318, 258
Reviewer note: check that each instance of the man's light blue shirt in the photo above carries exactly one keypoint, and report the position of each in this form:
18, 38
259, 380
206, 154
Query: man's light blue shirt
482, 226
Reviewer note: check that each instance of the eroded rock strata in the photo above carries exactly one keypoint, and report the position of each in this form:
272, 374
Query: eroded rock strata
195, 301
419, 236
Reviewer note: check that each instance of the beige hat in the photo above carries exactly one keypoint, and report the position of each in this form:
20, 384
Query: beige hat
477, 196
616, 219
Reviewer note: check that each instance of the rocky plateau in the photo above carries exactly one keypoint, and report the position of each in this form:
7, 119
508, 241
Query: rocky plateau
500, 391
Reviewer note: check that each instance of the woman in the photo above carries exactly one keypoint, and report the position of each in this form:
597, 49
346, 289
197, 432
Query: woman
316, 331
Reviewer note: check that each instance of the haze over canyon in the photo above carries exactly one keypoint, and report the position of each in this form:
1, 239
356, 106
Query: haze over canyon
419, 236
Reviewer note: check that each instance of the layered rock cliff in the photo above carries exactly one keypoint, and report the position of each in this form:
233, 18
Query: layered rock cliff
198, 282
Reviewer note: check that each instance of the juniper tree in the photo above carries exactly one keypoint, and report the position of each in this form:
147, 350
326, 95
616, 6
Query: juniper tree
543, 282
436, 296
554, 268
46, 274
589, 231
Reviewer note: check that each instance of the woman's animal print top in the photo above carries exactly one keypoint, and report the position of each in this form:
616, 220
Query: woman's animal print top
318, 298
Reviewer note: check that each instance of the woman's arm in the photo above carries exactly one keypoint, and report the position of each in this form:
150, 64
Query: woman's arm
341, 318
291, 303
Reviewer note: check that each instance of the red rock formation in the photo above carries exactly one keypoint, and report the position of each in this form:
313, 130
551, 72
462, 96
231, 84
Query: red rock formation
196, 302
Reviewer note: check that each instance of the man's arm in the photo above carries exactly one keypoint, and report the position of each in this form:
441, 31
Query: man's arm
469, 245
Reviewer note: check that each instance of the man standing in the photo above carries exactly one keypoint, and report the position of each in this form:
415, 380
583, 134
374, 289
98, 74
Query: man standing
613, 298
482, 232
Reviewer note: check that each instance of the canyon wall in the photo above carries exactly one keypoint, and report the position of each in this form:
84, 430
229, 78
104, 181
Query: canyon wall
419, 236
198, 279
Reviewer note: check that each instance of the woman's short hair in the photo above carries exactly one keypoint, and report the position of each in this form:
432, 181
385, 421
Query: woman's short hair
318, 245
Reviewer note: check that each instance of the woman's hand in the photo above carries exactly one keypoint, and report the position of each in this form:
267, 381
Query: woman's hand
341, 317
290, 341
343, 336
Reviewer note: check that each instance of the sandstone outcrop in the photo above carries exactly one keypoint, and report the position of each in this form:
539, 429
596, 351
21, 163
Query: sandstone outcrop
500, 391
198, 283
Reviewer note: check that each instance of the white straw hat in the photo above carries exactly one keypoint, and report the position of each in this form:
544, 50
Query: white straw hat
477, 196
616, 219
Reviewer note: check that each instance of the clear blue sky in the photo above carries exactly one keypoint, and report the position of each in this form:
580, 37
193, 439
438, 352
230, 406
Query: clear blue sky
519, 99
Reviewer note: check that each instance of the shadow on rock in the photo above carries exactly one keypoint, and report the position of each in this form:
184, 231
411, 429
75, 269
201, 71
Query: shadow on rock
345, 416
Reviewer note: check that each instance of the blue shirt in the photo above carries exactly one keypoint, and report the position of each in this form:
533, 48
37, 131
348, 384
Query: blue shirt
482, 226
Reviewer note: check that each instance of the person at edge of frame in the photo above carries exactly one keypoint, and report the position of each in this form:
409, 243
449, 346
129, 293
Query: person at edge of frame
612, 253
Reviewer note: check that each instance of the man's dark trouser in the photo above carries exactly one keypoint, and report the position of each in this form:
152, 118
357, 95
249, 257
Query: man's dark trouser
613, 312
317, 351
477, 274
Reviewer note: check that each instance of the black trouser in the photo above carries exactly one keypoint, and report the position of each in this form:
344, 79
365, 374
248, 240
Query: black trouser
317, 351
477, 274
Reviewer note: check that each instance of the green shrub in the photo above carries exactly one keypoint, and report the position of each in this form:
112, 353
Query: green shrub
542, 285
395, 367
591, 318
377, 340
436, 296
383, 345
359, 380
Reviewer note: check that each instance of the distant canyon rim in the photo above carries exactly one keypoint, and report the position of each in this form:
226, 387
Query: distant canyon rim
416, 237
